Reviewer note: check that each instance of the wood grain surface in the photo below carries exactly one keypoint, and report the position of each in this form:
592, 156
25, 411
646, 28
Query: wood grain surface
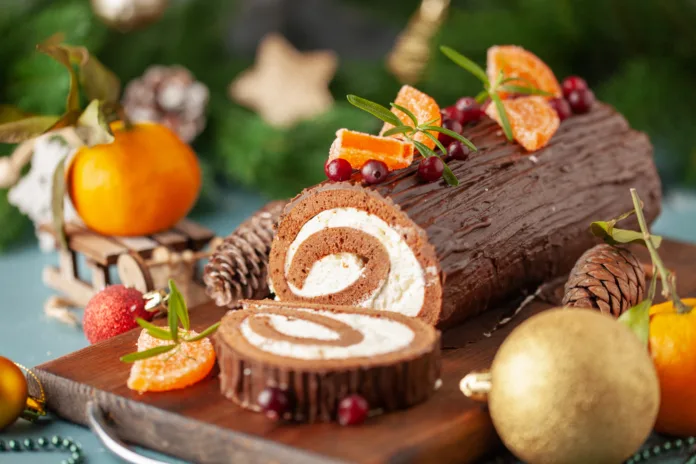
197, 424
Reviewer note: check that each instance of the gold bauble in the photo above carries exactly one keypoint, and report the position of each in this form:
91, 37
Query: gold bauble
126, 15
572, 386
13, 392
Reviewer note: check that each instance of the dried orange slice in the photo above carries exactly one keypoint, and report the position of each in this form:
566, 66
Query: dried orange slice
185, 365
515, 61
532, 119
423, 107
358, 148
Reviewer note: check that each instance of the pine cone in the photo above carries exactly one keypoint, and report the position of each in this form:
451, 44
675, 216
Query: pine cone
607, 278
170, 96
239, 267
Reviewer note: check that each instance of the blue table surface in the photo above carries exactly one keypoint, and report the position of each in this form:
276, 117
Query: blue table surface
28, 337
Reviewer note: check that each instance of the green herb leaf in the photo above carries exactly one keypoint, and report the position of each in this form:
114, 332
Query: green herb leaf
58, 202
24, 129
467, 64
447, 174
173, 311
430, 122
524, 90
436, 140
502, 114
177, 298
399, 130
62, 56
157, 332
613, 236
452, 134
408, 113
375, 109
207, 332
92, 126
152, 352
98, 81
638, 320
481, 96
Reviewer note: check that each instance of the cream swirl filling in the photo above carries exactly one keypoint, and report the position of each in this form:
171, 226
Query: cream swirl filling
379, 336
404, 289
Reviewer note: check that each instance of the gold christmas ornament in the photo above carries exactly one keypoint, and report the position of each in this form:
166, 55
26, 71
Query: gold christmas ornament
286, 86
13, 392
126, 15
570, 386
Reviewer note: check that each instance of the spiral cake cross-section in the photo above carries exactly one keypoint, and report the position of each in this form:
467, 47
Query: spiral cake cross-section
321, 353
347, 245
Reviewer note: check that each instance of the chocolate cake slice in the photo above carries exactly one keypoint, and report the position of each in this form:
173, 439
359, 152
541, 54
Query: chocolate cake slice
444, 254
319, 354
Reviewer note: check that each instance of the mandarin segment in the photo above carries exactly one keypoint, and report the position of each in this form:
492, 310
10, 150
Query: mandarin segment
515, 61
532, 119
176, 369
358, 148
423, 107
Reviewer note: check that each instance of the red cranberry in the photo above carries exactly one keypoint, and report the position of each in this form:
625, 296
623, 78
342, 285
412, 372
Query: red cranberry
430, 169
562, 108
458, 151
452, 125
451, 112
338, 170
274, 402
374, 171
581, 100
573, 83
352, 410
469, 110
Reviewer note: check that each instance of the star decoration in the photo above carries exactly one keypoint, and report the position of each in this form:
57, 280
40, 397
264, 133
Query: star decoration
285, 85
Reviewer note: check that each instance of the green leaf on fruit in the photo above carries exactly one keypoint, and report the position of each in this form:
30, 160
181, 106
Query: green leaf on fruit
27, 128
375, 109
466, 63
637, 319
399, 130
153, 330
436, 141
62, 56
613, 236
502, 114
206, 333
92, 126
152, 352
178, 305
452, 134
407, 112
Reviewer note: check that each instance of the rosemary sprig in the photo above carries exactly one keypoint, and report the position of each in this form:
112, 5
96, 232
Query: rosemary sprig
491, 89
409, 132
177, 313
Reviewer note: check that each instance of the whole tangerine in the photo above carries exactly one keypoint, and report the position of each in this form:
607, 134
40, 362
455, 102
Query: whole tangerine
144, 182
673, 349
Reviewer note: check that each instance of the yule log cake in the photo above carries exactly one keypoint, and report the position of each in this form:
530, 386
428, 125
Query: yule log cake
320, 354
445, 253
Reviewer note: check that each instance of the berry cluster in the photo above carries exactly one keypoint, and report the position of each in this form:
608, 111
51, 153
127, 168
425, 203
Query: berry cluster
577, 98
275, 402
339, 170
464, 111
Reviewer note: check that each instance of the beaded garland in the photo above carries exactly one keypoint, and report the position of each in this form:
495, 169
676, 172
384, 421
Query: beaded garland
55, 443
666, 447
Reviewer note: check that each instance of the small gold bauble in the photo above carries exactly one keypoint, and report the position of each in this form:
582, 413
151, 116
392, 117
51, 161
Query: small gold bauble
126, 15
13, 392
573, 386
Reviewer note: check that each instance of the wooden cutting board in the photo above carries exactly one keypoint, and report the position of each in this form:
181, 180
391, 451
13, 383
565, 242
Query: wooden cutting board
198, 424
